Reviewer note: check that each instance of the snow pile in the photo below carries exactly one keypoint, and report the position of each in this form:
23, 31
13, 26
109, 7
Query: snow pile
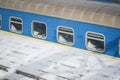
24, 59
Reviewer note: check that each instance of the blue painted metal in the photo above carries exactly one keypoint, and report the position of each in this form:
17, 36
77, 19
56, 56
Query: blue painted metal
108, 1
112, 35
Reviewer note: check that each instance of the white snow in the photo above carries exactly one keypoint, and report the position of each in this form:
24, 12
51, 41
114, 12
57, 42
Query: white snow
36, 59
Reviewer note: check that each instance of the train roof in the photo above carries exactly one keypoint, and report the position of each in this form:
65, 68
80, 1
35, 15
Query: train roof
106, 14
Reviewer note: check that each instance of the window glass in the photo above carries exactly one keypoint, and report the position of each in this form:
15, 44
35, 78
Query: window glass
119, 47
15, 24
95, 41
39, 29
65, 35
0, 21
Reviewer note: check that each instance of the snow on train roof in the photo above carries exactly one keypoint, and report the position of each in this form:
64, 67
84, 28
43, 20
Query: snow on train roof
78, 10
26, 59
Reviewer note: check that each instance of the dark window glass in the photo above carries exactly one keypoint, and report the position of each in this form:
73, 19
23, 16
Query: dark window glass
65, 35
119, 47
0, 21
39, 30
95, 42
16, 25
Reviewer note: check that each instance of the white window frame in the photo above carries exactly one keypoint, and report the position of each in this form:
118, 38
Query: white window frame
94, 39
15, 22
32, 29
1, 21
67, 33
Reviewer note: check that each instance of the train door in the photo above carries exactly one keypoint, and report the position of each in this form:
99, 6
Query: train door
95, 42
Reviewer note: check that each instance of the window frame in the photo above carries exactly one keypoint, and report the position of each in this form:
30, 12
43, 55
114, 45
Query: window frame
32, 28
1, 21
86, 37
16, 22
65, 32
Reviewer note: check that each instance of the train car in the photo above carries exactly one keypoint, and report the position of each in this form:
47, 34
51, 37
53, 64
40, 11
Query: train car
87, 25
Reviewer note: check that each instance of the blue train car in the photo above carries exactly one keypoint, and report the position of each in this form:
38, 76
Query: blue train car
67, 24
109, 1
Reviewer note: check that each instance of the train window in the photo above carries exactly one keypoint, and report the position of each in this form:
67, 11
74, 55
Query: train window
65, 35
39, 29
0, 21
95, 41
119, 47
16, 24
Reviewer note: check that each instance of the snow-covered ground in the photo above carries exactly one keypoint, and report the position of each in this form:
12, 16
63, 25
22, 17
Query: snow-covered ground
27, 59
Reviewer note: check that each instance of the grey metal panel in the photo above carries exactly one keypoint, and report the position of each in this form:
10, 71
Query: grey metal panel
78, 10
